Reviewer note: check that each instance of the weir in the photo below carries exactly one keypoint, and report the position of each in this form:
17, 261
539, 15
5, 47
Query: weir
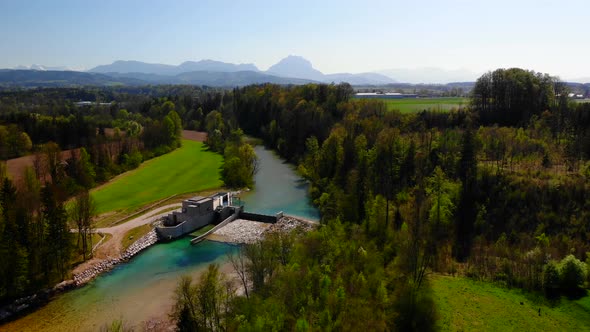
198, 212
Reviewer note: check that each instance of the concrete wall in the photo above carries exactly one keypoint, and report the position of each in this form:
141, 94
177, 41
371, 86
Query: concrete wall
190, 225
198, 206
258, 217
233, 215
228, 211
196, 212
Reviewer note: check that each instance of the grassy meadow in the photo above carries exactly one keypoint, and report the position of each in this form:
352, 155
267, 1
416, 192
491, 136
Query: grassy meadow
411, 105
468, 305
135, 234
189, 168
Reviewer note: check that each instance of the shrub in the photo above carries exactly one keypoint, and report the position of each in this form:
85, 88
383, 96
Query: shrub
572, 272
550, 277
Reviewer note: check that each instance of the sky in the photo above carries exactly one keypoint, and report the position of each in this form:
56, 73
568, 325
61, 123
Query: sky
336, 36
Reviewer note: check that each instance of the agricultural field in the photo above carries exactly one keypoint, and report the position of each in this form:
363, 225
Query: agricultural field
411, 105
468, 305
190, 168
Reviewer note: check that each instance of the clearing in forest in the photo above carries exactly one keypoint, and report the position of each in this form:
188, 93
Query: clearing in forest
412, 105
190, 168
467, 305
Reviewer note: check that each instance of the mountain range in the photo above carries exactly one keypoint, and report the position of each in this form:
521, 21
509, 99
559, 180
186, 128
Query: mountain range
43, 68
297, 69
170, 70
290, 70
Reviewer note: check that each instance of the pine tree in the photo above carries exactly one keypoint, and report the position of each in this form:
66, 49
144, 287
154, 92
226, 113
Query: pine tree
57, 236
467, 209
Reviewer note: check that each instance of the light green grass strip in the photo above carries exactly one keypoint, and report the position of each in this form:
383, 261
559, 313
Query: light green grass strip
411, 105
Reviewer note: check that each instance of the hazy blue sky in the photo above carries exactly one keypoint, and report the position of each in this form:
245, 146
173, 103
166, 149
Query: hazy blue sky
336, 36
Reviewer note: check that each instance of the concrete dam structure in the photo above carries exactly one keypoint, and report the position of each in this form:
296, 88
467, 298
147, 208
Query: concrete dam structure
198, 212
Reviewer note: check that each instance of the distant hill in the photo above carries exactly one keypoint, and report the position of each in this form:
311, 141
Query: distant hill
123, 67
299, 67
35, 78
212, 65
290, 70
212, 78
358, 79
135, 67
41, 67
239, 78
296, 66
52, 78
430, 75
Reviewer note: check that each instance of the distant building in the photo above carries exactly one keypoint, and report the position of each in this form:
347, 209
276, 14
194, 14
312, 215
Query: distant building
387, 95
90, 103
575, 96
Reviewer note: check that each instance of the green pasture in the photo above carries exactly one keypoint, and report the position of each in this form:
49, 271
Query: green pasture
190, 168
467, 305
411, 105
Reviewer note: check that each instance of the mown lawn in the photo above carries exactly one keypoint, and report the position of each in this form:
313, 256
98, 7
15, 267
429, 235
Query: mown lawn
468, 305
189, 168
411, 105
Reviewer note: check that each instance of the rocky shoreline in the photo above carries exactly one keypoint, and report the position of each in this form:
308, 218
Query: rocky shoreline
38, 299
242, 231
92, 272
239, 231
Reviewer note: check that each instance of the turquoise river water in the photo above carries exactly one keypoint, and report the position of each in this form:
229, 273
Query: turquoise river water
142, 289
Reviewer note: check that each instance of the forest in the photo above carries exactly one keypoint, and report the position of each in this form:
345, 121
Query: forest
71, 150
495, 191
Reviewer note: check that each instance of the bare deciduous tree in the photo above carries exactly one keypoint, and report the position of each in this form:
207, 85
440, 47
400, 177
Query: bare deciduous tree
239, 262
82, 212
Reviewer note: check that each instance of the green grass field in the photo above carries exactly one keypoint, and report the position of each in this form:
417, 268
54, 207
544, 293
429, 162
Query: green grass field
411, 105
468, 305
135, 234
189, 168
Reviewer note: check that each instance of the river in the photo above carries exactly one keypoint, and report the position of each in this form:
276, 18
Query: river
142, 289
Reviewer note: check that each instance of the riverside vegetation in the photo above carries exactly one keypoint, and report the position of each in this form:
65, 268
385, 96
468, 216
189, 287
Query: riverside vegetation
496, 191
37, 249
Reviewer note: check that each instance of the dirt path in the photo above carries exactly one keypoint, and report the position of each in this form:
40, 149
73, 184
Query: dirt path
112, 247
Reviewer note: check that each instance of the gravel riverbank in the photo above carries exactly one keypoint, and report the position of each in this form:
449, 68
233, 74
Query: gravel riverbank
247, 231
